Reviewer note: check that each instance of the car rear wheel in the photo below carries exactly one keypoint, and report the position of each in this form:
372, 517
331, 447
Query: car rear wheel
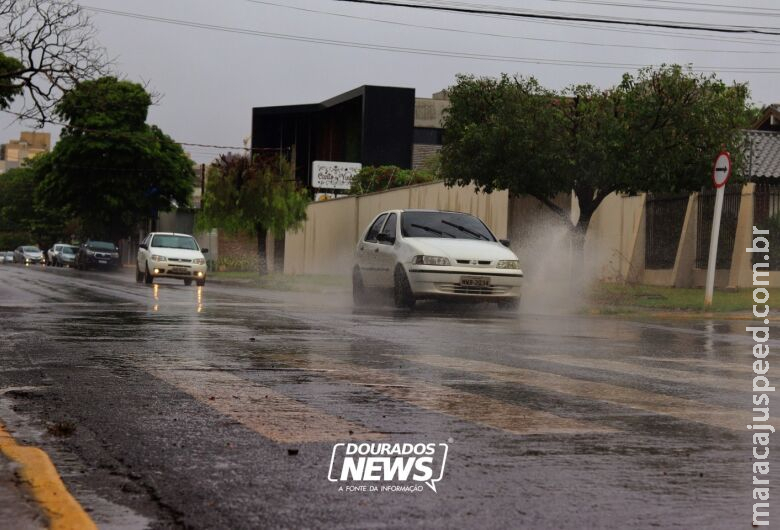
187, 282
402, 291
148, 278
358, 288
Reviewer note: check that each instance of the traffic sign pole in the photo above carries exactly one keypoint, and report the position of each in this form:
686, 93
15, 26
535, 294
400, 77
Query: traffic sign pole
710, 285
721, 171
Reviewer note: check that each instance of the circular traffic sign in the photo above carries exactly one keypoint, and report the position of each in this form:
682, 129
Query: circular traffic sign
721, 169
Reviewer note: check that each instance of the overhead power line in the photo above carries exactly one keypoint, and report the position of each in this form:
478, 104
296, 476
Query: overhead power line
502, 35
453, 8
421, 51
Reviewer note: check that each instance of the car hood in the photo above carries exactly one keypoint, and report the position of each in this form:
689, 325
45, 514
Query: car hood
177, 253
460, 248
38, 254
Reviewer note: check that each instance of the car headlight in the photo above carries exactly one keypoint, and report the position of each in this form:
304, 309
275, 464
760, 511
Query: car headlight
90, 252
508, 264
155, 257
199, 261
115, 254
431, 260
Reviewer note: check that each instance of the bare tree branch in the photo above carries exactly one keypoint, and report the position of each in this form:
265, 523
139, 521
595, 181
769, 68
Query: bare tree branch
55, 42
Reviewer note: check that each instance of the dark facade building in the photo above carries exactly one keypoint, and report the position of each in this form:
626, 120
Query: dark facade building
372, 125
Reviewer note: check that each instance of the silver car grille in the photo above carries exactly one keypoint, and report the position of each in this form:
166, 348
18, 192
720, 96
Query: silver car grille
456, 288
474, 262
180, 260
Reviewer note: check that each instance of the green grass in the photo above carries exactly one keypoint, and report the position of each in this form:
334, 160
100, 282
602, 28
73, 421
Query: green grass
283, 282
612, 298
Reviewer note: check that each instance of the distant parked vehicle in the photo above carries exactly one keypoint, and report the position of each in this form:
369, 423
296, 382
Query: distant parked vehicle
7, 256
62, 254
169, 255
54, 256
97, 254
28, 255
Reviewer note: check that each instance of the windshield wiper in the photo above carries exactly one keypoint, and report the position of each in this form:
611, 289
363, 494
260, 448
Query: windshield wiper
464, 229
429, 229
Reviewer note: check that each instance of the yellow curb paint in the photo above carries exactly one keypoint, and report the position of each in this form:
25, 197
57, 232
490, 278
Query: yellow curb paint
46, 486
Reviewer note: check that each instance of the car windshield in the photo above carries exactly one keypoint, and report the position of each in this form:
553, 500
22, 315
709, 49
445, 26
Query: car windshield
444, 225
101, 245
30, 249
185, 242
68, 250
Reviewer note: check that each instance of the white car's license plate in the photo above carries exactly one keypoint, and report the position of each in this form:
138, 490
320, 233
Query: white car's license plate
102, 261
474, 281
178, 270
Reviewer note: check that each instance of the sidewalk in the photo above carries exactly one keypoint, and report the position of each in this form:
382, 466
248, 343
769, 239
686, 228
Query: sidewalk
17, 508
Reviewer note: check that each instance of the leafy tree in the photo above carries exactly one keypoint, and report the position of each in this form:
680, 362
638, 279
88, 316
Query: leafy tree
111, 169
48, 47
253, 195
658, 131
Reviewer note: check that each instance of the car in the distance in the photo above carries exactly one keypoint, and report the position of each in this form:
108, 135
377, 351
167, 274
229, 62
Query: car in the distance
61, 254
28, 255
7, 256
423, 254
97, 254
170, 255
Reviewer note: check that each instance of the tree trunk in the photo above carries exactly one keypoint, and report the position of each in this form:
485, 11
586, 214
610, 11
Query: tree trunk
578, 267
262, 256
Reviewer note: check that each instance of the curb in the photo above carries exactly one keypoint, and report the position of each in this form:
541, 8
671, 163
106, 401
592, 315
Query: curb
38, 473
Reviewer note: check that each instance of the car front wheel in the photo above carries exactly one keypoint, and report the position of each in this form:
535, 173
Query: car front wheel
139, 276
200, 283
402, 291
148, 278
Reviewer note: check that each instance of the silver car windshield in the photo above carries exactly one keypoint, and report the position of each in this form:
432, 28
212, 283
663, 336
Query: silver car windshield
171, 241
451, 225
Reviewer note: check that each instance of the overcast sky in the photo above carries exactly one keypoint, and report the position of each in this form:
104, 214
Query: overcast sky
210, 79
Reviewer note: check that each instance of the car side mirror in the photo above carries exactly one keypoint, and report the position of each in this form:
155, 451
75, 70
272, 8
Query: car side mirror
384, 238
204, 251
504, 242
143, 246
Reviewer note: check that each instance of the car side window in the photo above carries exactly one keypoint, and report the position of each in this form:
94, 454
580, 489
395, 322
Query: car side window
390, 226
374, 230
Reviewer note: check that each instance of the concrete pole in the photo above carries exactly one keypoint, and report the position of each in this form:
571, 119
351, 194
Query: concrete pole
710, 285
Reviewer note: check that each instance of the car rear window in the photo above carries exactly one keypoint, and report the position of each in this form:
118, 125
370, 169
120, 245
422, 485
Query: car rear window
444, 225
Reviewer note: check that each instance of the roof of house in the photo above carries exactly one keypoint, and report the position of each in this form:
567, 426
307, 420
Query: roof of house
764, 159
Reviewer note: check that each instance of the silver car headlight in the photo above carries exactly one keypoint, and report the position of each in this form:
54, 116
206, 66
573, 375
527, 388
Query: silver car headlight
155, 257
199, 261
431, 260
508, 264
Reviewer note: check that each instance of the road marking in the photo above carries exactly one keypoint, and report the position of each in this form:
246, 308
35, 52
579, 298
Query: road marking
685, 409
451, 402
265, 411
39, 474
666, 374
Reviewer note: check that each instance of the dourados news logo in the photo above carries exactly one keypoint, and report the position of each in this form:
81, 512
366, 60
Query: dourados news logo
402, 467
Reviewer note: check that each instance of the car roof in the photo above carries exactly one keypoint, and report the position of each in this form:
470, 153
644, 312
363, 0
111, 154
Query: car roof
170, 234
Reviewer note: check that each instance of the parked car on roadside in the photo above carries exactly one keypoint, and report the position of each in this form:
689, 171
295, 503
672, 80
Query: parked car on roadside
97, 254
7, 256
54, 254
62, 254
28, 255
170, 255
434, 254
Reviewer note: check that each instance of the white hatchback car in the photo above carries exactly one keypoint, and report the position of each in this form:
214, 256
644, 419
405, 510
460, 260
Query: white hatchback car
434, 254
169, 255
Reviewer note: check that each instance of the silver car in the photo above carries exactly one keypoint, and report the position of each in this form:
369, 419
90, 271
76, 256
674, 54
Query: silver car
28, 255
62, 254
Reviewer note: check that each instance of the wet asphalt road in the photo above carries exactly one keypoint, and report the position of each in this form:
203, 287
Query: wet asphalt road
173, 406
